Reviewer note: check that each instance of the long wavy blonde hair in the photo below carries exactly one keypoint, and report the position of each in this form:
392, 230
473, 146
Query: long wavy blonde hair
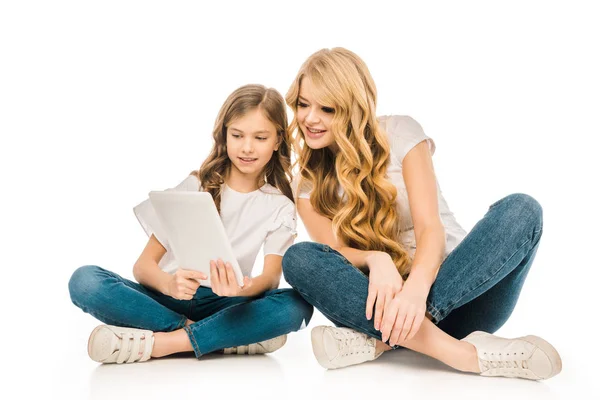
366, 219
278, 170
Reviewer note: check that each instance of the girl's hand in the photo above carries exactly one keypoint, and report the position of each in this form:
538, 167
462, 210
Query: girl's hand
223, 281
384, 283
184, 283
403, 315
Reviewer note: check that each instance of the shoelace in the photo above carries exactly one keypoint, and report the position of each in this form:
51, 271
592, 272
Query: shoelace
352, 342
129, 342
506, 364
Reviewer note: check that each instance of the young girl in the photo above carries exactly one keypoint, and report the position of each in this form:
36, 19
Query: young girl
247, 174
368, 195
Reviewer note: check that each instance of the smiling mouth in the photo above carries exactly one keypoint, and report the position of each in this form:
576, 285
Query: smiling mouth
315, 131
247, 160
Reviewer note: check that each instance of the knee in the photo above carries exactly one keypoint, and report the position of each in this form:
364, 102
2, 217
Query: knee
529, 209
84, 282
523, 211
297, 261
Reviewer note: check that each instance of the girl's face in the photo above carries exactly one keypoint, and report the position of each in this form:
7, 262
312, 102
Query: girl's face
314, 119
251, 141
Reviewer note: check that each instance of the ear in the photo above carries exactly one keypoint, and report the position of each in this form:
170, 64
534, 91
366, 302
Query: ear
279, 140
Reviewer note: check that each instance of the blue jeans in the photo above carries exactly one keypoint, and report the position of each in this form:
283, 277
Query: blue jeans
477, 286
221, 321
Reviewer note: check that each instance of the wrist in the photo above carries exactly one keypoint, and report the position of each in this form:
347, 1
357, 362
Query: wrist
164, 283
374, 258
420, 279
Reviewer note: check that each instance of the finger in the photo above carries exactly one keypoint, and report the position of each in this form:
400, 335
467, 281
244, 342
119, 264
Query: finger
416, 325
247, 282
214, 278
230, 275
222, 274
191, 274
389, 317
396, 331
379, 307
190, 284
408, 323
399, 324
371, 301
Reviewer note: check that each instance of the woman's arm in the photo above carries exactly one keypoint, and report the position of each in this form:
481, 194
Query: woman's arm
430, 236
320, 230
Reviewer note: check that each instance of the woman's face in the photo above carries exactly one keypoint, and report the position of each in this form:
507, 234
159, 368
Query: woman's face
314, 119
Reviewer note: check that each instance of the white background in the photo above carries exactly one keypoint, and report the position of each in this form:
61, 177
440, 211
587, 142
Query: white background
101, 102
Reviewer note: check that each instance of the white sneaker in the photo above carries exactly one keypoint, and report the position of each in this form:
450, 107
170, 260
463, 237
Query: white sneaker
266, 346
528, 357
115, 344
340, 347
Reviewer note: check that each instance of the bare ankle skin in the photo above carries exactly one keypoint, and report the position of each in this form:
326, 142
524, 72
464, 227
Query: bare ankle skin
380, 347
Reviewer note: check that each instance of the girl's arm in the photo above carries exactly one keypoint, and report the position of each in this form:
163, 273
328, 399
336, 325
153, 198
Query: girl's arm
268, 280
146, 270
181, 285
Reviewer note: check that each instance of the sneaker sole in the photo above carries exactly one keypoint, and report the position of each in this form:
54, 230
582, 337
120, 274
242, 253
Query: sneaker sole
316, 338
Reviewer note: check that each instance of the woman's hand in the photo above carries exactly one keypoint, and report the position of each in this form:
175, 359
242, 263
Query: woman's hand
384, 282
404, 314
223, 281
184, 283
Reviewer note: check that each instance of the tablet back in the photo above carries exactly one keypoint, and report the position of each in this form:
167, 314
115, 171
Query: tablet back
195, 231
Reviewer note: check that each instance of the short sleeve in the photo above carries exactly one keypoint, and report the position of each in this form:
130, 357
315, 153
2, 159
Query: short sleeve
282, 232
405, 133
147, 217
304, 191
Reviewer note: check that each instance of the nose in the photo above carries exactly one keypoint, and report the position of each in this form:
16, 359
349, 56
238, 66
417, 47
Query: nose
248, 146
312, 117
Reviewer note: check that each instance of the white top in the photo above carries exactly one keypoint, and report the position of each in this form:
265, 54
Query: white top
405, 133
251, 220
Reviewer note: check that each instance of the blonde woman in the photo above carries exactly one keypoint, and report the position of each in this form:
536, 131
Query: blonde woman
390, 266
167, 311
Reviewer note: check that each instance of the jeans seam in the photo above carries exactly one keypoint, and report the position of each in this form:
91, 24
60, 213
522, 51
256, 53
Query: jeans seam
435, 313
450, 306
193, 341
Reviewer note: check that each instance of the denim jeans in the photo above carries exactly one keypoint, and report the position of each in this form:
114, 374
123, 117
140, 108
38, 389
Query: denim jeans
476, 288
221, 322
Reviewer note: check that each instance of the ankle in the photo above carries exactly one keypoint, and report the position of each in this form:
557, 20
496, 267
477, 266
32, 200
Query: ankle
470, 360
380, 347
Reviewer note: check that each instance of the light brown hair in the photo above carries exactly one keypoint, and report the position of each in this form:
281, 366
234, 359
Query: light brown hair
277, 172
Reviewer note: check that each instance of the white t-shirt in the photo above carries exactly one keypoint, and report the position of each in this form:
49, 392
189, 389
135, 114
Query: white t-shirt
251, 220
404, 134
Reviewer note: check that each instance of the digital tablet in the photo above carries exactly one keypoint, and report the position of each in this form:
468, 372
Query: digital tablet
194, 230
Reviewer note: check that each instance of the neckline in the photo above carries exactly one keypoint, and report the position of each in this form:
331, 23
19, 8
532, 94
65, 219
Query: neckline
244, 193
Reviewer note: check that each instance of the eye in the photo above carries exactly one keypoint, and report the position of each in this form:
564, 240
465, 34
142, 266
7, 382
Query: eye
235, 135
302, 105
328, 110
261, 138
